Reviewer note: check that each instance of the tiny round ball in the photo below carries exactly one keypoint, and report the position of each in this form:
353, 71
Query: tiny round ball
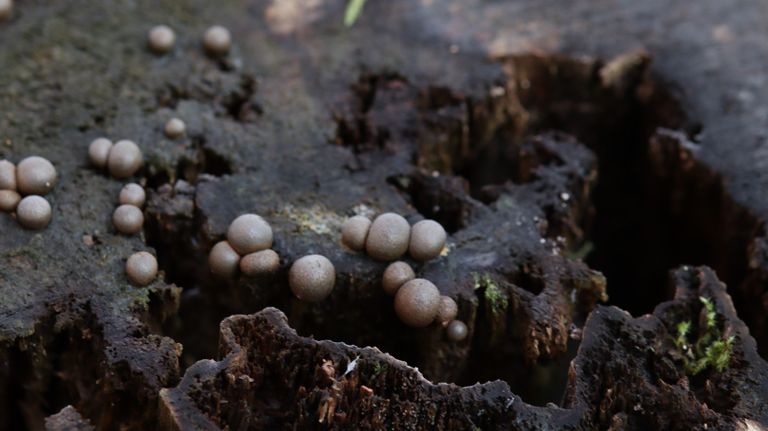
6, 9
35, 176
141, 268
223, 259
7, 174
427, 240
98, 152
388, 237
417, 302
132, 194
397, 274
447, 311
175, 128
354, 231
249, 233
261, 262
457, 330
124, 159
34, 212
128, 219
217, 40
9, 199
161, 39
312, 278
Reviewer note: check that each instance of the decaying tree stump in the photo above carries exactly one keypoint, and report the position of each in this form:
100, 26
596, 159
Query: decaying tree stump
575, 153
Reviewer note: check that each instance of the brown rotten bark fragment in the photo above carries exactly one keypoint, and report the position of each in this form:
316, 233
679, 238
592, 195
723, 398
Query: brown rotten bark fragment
68, 419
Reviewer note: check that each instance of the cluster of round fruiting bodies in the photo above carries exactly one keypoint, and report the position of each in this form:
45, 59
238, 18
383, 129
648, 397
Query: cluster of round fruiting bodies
122, 159
128, 218
216, 40
247, 249
33, 178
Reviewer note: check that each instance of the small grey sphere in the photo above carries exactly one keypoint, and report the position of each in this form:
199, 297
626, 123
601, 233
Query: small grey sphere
141, 268
427, 240
417, 302
35, 176
312, 278
9, 199
354, 231
34, 212
457, 330
128, 219
388, 237
124, 159
249, 233
7, 174
217, 40
261, 262
6, 9
98, 152
447, 311
132, 194
161, 39
397, 274
175, 128
223, 259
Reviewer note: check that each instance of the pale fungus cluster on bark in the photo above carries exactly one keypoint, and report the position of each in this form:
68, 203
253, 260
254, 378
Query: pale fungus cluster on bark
247, 248
122, 159
128, 218
22, 188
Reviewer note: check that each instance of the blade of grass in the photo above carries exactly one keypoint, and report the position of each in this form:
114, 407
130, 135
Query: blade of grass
354, 7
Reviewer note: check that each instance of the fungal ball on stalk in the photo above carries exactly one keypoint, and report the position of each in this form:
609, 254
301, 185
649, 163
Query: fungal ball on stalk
223, 259
175, 128
427, 240
396, 275
98, 152
132, 194
457, 330
249, 233
261, 262
217, 40
141, 268
7, 174
34, 212
124, 159
417, 302
312, 278
354, 231
35, 176
447, 311
9, 199
128, 219
161, 39
388, 237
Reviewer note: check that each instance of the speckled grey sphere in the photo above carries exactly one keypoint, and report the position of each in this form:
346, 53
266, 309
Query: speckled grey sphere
457, 330
223, 259
132, 194
388, 237
417, 302
447, 311
7, 175
124, 159
354, 231
312, 278
6, 9
396, 275
34, 212
259, 263
217, 40
175, 128
161, 39
9, 199
141, 268
249, 233
427, 240
128, 219
98, 152
35, 176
